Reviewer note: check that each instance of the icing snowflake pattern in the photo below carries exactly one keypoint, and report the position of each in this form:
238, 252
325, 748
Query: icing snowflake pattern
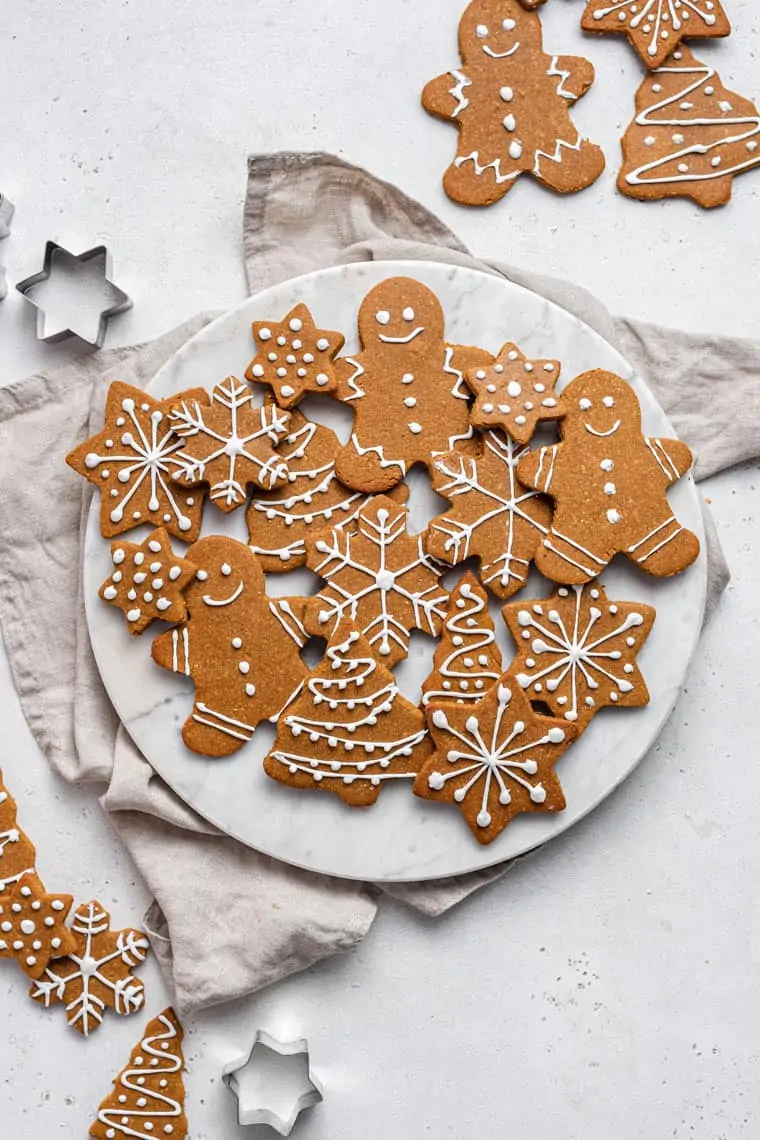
655, 27
467, 659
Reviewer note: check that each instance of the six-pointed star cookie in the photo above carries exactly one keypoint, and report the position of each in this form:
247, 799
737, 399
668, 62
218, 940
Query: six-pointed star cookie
494, 758
576, 650
514, 393
229, 444
96, 973
655, 28
294, 357
148, 581
130, 461
379, 576
32, 926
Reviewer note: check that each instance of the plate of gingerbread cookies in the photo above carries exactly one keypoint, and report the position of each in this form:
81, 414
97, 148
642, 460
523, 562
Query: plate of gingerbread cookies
395, 572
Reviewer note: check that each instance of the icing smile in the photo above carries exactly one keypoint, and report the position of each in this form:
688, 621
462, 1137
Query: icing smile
402, 339
500, 55
602, 434
223, 601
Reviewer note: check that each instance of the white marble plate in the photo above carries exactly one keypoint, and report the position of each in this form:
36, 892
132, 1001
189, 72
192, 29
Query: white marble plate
401, 837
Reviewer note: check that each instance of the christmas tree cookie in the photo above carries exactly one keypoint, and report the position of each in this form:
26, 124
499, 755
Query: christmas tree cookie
467, 660
17, 855
655, 28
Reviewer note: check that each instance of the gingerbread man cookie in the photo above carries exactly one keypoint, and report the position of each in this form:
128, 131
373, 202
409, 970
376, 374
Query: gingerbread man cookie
514, 393
148, 581
406, 387
510, 101
294, 357
655, 28
608, 482
241, 648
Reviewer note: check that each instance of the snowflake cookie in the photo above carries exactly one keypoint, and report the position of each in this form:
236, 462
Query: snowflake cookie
576, 651
32, 926
378, 576
131, 459
350, 731
95, 974
294, 357
229, 444
511, 102
17, 855
493, 515
148, 1096
691, 135
514, 393
148, 581
467, 660
494, 758
655, 28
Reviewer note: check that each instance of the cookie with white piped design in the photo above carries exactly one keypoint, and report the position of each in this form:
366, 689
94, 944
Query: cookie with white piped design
608, 482
655, 28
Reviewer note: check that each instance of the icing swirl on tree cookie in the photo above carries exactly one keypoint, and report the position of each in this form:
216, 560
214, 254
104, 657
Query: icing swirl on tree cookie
17, 853
467, 659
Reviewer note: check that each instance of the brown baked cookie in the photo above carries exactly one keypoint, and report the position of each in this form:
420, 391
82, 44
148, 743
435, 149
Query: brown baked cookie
608, 482
467, 660
380, 577
130, 460
350, 731
510, 101
241, 648
406, 387
229, 444
17, 854
294, 357
691, 135
494, 759
655, 28
493, 516
280, 521
148, 581
514, 393
32, 926
576, 651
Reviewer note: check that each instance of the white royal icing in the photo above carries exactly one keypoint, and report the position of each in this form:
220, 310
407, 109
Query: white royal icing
155, 1104
658, 18
467, 671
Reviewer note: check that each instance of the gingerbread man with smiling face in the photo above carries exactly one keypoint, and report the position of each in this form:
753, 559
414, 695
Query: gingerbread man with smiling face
510, 101
406, 387
608, 482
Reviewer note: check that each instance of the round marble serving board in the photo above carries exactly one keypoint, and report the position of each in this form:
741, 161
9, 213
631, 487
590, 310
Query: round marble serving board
401, 838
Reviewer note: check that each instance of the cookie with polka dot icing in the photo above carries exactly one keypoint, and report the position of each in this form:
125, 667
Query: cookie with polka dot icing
32, 926
510, 101
608, 481
294, 357
148, 581
241, 648
131, 462
576, 651
655, 28
514, 393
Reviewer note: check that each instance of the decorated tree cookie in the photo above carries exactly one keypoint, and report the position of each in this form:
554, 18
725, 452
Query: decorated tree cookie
467, 660
148, 581
511, 101
350, 731
32, 925
378, 576
691, 135
17, 855
608, 482
294, 357
131, 461
97, 973
229, 444
494, 759
514, 393
655, 28
148, 1097
493, 516
406, 387
280, 521
576, 651
241, 648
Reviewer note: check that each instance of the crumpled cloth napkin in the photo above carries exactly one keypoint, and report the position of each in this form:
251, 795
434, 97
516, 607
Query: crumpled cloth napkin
226, 920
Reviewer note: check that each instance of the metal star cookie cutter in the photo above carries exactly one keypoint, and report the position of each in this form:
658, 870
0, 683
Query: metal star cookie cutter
240, 1077
54, 253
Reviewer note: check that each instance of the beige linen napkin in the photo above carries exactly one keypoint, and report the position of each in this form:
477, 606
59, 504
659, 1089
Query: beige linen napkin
227, 920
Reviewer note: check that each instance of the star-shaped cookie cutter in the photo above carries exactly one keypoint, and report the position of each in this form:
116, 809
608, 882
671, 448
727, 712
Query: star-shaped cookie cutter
252, 1106
54, 253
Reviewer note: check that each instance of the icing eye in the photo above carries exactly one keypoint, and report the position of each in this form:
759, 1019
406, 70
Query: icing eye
481, 31
408, 314
509, 25
584, 404
226, 569
608, 402
383, 317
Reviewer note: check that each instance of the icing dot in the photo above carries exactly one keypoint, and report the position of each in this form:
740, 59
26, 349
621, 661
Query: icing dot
383, 317
513, 388
27, 926
226, 569
244, 667
237, 642
515, 150
507, 94
265, 334
296, 325
56, 904
202, 575
118, 556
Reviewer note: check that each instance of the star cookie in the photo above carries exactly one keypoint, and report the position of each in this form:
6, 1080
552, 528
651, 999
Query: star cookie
148, 581
576, 651
32, 926
229, 444
514, 393
294, 357
96, 974
655, 28
130, 460
494, 759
